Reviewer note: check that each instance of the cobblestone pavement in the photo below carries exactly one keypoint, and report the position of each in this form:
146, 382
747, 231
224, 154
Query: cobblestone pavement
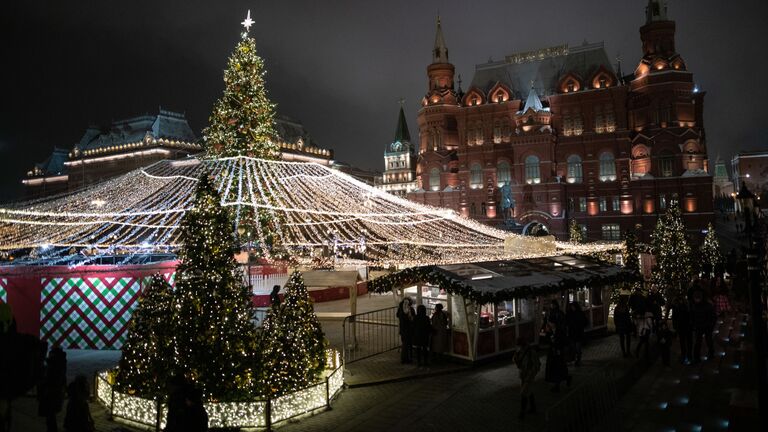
687, 397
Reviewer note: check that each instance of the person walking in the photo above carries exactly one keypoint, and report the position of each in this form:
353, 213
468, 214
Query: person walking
721, 302
405, 316
556, 369
51, 393
422, 329
703, 319
78, 417
681, 321
439, 324
527, 360
664, 339
576, 322
624, 325
644, 324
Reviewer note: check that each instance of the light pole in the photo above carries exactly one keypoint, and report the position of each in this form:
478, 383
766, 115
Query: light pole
754, 263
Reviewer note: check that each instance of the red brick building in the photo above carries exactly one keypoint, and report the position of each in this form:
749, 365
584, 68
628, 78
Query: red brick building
571, 136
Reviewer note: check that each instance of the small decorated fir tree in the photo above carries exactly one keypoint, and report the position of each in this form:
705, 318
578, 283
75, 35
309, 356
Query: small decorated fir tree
147, 358
631, 252
242, 122
673, 268
574, 232
215, 339
710, 251
292, 345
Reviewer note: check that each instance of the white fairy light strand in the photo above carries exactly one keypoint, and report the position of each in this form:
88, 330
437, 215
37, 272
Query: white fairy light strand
141, 211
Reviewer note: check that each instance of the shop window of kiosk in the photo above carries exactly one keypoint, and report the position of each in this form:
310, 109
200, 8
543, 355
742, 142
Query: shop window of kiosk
596, 296
514, 311
486, 318
458, 314
582, 296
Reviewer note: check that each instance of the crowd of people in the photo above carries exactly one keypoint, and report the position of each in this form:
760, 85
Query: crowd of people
693, 316
32, 365
427, 335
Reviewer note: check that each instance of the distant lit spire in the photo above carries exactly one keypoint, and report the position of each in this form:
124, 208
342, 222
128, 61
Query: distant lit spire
440, 53
656, 11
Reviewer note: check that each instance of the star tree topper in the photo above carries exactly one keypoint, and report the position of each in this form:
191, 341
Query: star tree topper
248, 22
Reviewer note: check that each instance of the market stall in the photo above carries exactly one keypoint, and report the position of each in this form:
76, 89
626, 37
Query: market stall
491, 304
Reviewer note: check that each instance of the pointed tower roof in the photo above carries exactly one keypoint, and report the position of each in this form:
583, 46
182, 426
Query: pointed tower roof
656, 11
401, 133
440, 53
533, 102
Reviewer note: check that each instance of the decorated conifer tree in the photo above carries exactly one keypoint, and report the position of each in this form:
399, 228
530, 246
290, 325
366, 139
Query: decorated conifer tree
243, 120
215, 340
710, 251
292, 344
673, 267
147, 358
243, 124
631, 251
574, 232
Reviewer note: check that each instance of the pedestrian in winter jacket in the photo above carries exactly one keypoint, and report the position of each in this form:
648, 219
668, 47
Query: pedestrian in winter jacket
624, 327
576, 322
681, 321
422, 330
527, 360
703, 319
405, 316
78, 417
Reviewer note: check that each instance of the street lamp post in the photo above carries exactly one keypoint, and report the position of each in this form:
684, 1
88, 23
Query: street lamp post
747, 202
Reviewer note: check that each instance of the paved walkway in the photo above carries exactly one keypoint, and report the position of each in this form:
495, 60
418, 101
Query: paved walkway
446, 397
687, 397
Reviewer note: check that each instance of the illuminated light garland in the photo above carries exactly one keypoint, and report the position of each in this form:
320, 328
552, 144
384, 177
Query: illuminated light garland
135, 410
139, 212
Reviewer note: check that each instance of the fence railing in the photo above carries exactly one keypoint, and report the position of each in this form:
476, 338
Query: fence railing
370, 333
259, 413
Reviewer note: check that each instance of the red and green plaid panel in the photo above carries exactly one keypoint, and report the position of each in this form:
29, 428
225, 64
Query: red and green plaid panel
87, 313
3, 290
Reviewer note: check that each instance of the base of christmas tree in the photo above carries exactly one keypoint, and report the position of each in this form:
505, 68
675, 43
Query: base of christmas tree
259, 413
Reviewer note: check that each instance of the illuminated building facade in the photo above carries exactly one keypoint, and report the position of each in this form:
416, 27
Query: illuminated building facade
141, 141
571, 136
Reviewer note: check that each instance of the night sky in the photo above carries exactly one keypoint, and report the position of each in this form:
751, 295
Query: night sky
338, 66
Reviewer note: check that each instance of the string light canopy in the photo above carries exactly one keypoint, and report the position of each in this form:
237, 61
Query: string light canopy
319, 209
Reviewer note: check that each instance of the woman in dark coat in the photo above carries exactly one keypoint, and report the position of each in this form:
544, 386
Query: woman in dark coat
405, 316
556, 370
422, 329
78, 418
576, 322
624, 327
51, 393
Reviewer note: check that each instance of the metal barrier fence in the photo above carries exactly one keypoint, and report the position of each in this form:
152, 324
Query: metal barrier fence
370, 333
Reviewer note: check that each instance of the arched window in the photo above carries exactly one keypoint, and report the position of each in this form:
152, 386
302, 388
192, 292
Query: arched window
503, 174
607, 167
475, 176
532, 173
434, 179
574, 174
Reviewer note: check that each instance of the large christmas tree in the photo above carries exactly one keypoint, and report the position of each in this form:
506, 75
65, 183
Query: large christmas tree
215, 340
243, 120
673, 268
710, 252
147, 358
292, 345
243, 124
